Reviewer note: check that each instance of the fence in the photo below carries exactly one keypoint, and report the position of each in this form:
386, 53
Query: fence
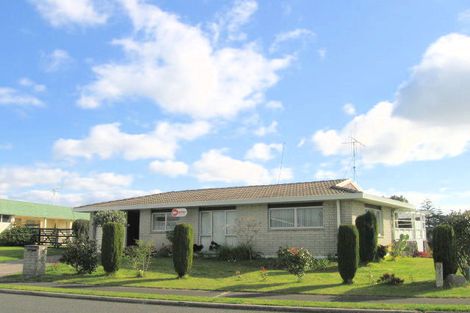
52, 236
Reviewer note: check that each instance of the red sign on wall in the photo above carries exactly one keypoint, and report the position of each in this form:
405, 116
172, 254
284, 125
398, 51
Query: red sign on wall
179, 212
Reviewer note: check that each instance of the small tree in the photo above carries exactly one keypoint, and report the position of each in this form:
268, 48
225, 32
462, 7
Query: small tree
348, 252
112, 246
246, 229
80, 228
444, 249
140, 256
367, 226
81, 254
183, 249
107, 216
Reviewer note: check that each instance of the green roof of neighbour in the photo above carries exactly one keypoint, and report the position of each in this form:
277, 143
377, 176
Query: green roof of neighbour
21, 208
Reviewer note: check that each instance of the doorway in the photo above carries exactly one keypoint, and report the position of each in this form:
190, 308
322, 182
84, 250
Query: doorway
217, 225
133, 221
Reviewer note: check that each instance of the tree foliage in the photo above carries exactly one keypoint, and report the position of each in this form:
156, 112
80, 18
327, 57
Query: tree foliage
444, 248
434, 217
107, 216
460, 222
183, 249
399, 198
81, 254
80, 228
112, 246
367, 227
348, 252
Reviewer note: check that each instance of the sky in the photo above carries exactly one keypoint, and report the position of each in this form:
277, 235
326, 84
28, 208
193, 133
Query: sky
108, 99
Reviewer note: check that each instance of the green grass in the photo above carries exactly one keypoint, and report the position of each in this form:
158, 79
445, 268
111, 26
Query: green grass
8, 254
256, 301
210, 274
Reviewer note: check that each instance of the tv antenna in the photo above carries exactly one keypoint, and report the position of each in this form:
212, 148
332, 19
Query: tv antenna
354, 144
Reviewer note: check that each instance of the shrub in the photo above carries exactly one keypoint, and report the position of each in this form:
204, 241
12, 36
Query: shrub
80, 228
237, 253
112, 246
82, 255
390, 279
381, 252
460, 222
348, 252
140, 256
367, 227
246, 229
424, 254
399, 246
17, 236
183, 249
444, 249
170, 236
296, 260
102, 217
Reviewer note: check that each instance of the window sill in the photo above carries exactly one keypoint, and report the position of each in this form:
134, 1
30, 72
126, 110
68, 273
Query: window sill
297, 228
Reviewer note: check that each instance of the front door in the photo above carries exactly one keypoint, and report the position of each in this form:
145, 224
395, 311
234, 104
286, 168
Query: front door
133, 221
217, 226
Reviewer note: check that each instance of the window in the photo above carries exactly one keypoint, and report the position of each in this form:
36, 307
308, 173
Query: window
230, 221
162, 222
302, 217
5, 218
377, 211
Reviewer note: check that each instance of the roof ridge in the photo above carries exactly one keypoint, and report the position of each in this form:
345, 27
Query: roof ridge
219, 188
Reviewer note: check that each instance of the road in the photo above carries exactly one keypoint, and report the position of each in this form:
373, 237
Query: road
26, 304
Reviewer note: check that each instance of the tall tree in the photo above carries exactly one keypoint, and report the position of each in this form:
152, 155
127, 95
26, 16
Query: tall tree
434, 217
399, 198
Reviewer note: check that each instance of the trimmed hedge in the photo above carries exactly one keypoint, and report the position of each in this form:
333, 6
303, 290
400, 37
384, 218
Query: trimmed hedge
183, 249
112, 246
80, 228
348, 252
367, 227
444, 248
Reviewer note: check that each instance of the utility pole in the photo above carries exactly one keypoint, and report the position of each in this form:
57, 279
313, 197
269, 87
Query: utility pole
281, 164
354, 144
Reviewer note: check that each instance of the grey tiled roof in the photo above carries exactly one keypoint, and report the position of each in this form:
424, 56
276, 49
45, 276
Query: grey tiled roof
304, 189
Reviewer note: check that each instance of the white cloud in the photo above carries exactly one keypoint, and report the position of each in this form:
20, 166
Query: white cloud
265, 130
288, 36
71, 188
322, 174
349, 109
26, 82
57, 60
107, 140
10, 96
169, 168
209, 82
215, 166
262, 151
274, 105
322, 53
430, 119
464, 17
301, 142
234, 19
64, 13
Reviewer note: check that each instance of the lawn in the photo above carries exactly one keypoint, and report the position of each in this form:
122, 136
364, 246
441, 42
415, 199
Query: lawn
8, 254
210, 274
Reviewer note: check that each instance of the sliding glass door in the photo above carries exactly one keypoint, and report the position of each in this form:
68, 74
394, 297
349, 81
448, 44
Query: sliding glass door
217, 226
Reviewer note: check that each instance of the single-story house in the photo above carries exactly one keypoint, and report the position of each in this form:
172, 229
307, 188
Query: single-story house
37, 215
305, 214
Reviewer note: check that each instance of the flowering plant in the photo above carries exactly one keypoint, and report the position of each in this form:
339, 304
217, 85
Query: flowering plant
296, 260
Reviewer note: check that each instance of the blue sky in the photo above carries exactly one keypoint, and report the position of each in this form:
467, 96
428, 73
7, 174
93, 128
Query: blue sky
109, 99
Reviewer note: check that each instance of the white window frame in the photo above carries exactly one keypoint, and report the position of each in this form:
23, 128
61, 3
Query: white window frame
295, 218
166, 214
380, 222
227, 234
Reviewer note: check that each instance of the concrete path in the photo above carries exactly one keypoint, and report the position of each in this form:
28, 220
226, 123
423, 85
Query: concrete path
265, 295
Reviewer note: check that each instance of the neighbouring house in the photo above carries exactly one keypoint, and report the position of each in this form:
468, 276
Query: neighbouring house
14, 212
304, 214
